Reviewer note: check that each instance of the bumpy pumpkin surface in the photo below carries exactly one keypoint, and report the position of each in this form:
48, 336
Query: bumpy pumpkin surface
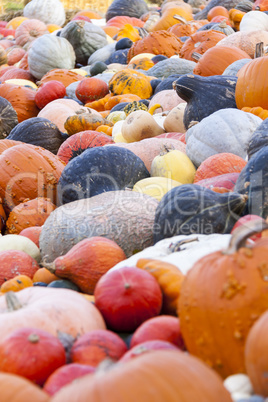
129, 81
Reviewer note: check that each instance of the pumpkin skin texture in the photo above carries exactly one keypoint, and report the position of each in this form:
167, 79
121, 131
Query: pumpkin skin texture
30, 213
200, 42
87, 261
27, 345
205, 95
8, 117
87, 221
147, 346
38, 131
129, 81
210, 320
16, 284
48, 52
222, 183
52, 310
163, 327
48, 11
117, 169
158, 42
91, 89
205, 212
182, 377
29, 30
65, 375
33, 233
79, 142
49, 91
43, 275
32, 172
18, 389
95, 346
63, 75
85, 38
123, 8
16, 262
126, 297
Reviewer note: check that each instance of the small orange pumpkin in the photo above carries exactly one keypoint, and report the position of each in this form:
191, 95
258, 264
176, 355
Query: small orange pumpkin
17, 283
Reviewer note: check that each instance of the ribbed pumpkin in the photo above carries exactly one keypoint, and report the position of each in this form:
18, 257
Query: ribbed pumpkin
22, 100
28, 171
29, 213
158, 42
246, 41
186, 28
84, 121
65, 76
200, 42
257, 110
79, 142
167, 19
129, 81
217, 59
29, 30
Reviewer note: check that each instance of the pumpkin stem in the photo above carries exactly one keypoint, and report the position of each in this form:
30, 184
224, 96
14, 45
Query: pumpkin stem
165, 149
33, 338
259, 50
196, 56
174, 247
223, 24
12, 301
180, 18
154, 107
50, 267
242, 233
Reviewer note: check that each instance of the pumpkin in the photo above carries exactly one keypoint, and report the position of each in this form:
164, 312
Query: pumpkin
224, 3
260, 5
158, 42
22, 100
91, 89
85, 38
29, 213
173, 164
219, 164
16, 262
257, 110
20, 243
233, 68
95, 346
169, 14
49, 91
169, 278
23, 346
3, 57
8, 117
173, 65
174, 119
253, 21
156, 187
258, 139
65, 375
48, 52
216, 59
217, 10
14, 387
123, 8
225, 133
38, 131
204, 96
16, 284
14, 55
239, 298
140, 125
182, 377
105, 168
65, 76
221, 183
129, 81
87, 261
223, 27
18, 74
32, 233
190, 208
78, 143
145, 347
48, 11
84, 121
44, 275
200, 42
29, 30
120, 20
15, 22
136, 290
250, 88
167, 99
255, 352
27, 172
122, 209
141, 64
186, 28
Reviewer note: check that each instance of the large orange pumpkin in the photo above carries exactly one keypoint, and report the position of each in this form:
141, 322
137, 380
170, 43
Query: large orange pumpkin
221, 297
63, 75
15, 388
200, 42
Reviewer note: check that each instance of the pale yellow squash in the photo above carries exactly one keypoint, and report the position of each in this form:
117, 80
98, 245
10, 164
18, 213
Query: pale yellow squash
155, 187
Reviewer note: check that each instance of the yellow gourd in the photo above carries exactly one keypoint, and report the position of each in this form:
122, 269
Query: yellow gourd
175, 165
17, 283
155, 187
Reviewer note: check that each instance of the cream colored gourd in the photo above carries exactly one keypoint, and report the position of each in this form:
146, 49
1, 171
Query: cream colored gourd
174, 120
48, 11
155, 187
140, 125
21, 82
253, 21
114, 117
175, 165
22, 243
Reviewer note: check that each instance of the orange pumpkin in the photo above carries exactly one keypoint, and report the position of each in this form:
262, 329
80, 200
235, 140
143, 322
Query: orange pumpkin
16, 284
84, 121
217, 10
45, 276
257, 110
29, 30
200, 42
15, 388
121, 20
167, 19
186, 28
63, 75
129, 81
235, 16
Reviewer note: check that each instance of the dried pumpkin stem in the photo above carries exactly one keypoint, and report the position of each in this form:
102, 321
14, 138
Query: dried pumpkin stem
12, 301
259, 50
242, 233
180, 18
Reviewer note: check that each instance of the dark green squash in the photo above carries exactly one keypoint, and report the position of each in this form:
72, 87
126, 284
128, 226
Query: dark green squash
98, 170
97, 68
259, 139
8, 118
191, 209
64, 284
133, 8
166, 83
124, 43
38, 131
253, 182
205, 95
118, 56
85, 38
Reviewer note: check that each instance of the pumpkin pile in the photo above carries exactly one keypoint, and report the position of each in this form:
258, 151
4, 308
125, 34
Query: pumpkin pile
133, 202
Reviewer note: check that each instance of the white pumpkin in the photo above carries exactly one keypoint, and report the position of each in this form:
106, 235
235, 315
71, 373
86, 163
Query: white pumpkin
245, 40
48, 11
167, 98
48, 52
254, 20
22, 243
227, 130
